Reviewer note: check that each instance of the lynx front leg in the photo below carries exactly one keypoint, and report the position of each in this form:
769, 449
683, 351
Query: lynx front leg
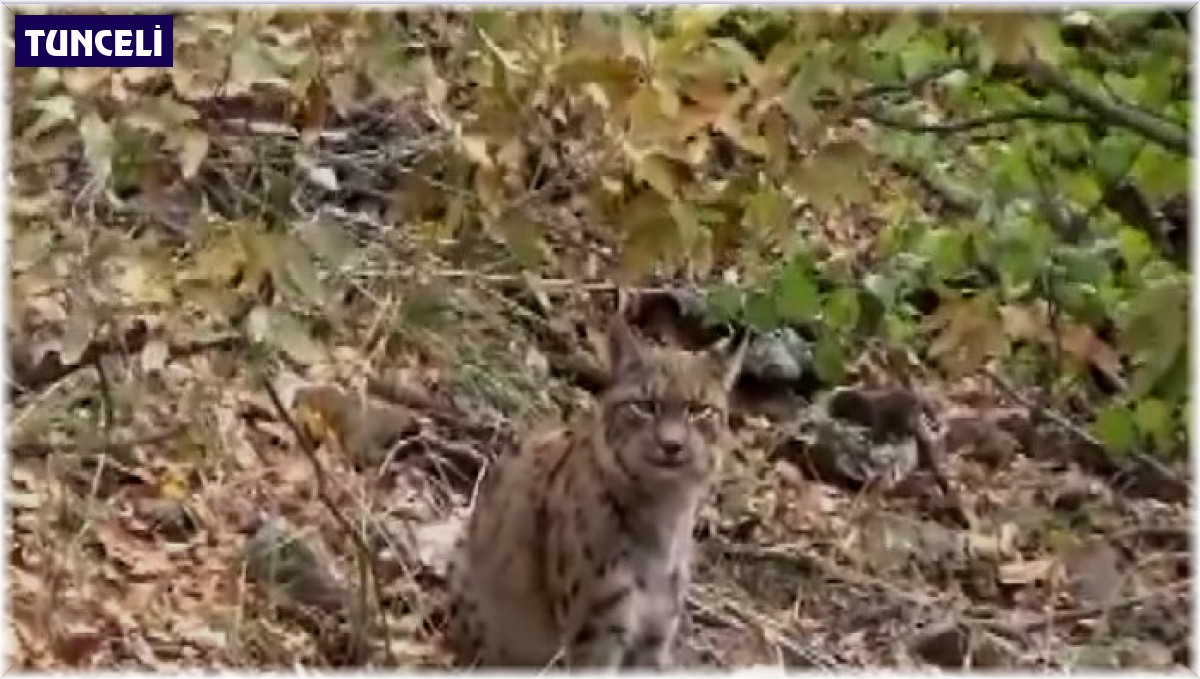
604, 649
603, 640
654, 649
662, 617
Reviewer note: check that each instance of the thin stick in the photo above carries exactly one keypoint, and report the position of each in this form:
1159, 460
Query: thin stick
366, 564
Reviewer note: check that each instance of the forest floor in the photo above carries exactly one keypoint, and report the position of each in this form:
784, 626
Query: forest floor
167, 512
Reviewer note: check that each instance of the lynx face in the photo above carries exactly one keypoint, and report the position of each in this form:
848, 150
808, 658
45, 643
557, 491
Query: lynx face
665, 415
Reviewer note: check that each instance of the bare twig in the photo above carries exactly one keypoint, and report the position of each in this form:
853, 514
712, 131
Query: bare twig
106, 399
1178, 486
707, 602
40, 449
368, 573
793, 556
1076, 614
51, 369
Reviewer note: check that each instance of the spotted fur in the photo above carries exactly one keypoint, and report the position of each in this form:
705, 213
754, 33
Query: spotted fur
578, 549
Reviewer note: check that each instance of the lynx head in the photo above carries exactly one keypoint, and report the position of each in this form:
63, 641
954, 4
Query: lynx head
663, 418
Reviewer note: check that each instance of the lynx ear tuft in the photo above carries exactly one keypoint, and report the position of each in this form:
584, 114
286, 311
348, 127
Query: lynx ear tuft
624, 349
729, 358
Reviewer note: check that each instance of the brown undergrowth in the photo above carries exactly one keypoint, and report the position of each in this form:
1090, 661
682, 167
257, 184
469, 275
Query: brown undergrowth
223, 455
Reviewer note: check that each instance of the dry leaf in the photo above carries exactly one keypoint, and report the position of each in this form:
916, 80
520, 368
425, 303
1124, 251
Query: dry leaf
324, 177
1047, 569
77, 335
192, 151
154, 355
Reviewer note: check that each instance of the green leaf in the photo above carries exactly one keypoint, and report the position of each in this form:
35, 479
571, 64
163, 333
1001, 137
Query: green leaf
1116, 429
1156, 371
1114, 155
724, 303
1018, 266
841, 310
900, 30
829, 360
767, 210
899, 330
1153, 417
883, 287
797, 300
1156, 321
922, 54
1011, 171
946, 251
1082, 188
1135, 246
1083, 264
760, 311
1160, 173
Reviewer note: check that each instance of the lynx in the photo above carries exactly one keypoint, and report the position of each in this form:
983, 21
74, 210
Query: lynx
578, 548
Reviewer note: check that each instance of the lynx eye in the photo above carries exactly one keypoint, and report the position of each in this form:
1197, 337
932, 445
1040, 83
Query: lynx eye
642, 409
700, 411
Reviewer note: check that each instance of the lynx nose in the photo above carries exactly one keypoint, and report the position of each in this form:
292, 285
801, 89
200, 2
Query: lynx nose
671, 449
671, 438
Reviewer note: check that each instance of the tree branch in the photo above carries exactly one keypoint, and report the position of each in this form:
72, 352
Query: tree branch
1168, 135
1002, 118
1152, 126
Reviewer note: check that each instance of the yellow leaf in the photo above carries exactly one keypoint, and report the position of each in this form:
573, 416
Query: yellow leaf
77, 335
141, 285
694, 21
1047, 570
742, 133
658, 172
218, 261
154, 355
647, 121
650, 233
343, 91
192, 150
251, 64
98, 144
299, 269
86, 81
173, 486
328, 240
616, 79
690, 230
969, 333
1014, 36
476, 148
55, 111
285, 332
837, 171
